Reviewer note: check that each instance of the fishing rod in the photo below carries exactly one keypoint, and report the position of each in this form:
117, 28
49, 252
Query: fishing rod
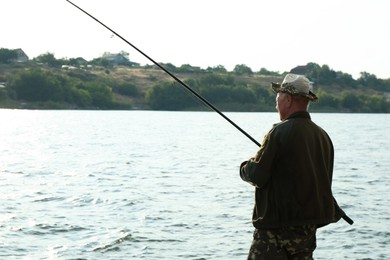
207, 103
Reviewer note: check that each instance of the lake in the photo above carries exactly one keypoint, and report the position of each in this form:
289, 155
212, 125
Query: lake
165, 185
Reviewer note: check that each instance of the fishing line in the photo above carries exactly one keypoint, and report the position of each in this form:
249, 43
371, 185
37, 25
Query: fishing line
207, 103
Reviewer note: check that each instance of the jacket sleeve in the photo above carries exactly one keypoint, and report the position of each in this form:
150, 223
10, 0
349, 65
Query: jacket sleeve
257, 171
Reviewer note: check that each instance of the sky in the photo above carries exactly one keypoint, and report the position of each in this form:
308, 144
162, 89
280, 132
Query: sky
351, 36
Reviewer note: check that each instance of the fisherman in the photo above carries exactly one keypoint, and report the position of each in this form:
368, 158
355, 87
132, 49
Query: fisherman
292, 174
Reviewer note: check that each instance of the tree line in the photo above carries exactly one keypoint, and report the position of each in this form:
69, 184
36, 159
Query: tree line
236, 90
230, 95
72, 90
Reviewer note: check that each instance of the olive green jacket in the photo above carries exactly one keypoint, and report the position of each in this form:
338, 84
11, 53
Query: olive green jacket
292, 173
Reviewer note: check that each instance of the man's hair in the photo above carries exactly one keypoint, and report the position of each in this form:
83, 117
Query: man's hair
302, 101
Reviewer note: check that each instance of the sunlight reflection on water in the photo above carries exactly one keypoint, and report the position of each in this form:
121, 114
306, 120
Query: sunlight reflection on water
144, 184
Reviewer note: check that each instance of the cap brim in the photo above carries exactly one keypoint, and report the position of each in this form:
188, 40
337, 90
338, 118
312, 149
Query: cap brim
312, 96
276, 86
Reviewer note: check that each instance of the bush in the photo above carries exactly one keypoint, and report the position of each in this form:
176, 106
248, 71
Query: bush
36, 85
169, 96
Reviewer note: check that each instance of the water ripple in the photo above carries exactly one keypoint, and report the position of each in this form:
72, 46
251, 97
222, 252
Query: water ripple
113, 185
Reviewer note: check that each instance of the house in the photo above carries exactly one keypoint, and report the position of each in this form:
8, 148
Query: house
115, 58
21, 56
81, 61
300, 70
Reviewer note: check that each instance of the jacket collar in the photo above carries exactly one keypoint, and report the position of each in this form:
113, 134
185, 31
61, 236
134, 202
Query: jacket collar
300, 114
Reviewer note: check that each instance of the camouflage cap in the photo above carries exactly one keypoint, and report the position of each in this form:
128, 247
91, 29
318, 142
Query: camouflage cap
295, 85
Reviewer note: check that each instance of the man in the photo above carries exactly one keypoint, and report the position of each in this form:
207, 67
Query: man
292, 173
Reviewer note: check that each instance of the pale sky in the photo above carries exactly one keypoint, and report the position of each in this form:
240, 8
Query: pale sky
351, 36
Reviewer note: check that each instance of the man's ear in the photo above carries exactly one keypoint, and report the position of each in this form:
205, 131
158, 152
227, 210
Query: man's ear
289, 100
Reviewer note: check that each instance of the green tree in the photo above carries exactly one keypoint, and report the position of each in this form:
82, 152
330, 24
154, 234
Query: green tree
321, 75
100, 94
169, 96
79, 97
3, 94
168, 66
351, 102
345, 79
49, 59
126, 89
101, 62
265, 98
264, 71
327, 101
217, 93
36, 85
215, 79
377, 104
186, 68
7, 55
217, 69
242, 69
371, 81
243, 95
76, 62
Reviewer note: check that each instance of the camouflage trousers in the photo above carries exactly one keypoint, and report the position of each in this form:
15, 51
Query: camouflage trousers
284, 243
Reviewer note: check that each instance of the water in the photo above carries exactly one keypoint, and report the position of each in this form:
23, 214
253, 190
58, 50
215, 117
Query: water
165, 185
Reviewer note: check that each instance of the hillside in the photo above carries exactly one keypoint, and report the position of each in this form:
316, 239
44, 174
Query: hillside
124, 87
